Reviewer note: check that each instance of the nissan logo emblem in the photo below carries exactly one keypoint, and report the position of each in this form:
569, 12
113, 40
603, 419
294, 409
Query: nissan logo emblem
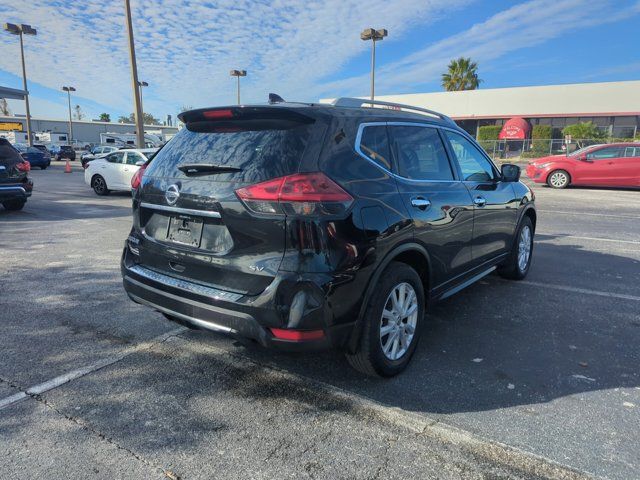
172, 194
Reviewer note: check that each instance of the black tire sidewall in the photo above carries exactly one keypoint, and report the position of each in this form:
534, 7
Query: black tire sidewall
393, 275
93, 185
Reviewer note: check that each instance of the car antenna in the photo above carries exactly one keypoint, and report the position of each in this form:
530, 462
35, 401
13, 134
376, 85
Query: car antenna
275, 98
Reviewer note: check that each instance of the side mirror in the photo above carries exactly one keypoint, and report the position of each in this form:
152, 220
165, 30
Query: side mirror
140, 163
510, 172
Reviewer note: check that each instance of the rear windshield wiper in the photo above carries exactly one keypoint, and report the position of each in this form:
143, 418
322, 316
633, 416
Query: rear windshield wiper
206, 168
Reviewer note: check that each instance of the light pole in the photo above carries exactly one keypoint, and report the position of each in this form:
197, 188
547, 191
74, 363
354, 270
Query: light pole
238, 74
142, 84
69, 90
21, 30
374, 36
134, 78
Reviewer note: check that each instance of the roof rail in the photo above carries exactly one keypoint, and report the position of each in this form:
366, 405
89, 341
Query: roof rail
359, 102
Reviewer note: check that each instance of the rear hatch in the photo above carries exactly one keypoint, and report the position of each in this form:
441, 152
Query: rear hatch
9, 159
191, 222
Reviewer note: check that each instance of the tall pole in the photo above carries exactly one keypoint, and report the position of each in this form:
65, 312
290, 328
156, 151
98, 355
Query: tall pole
26, 96
141, 106
373, 67
238, 77
134, 78
70, 122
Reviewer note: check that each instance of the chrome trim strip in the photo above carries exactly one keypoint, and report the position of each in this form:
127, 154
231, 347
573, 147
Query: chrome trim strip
14, 188
361, 128
213, 293
186, 211
200, 323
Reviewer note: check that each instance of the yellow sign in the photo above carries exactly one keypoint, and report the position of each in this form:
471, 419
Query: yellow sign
9, 126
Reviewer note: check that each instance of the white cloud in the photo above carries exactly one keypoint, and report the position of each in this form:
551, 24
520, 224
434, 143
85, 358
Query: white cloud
186, 48
524, 25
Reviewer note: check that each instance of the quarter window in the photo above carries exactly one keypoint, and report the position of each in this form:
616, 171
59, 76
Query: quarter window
474, 165
419, 153
374, 143
632, 152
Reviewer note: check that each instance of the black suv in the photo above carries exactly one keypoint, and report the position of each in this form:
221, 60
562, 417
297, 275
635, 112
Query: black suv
309, 226
65, 151
15, 185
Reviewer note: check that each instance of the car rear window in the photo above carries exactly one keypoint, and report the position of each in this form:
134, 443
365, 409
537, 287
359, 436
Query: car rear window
8, 155
260, 153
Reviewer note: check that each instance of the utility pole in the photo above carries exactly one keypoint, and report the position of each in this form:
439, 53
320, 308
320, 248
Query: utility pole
69, 90
238, 74
134, 78
21, 30
374, 36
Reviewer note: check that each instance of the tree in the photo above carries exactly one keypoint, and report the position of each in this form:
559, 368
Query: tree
105, 117
462, 74
79, 115
583, 131
4, 107
147, 118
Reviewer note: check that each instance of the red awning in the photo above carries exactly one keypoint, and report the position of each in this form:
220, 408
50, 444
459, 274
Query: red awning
515, 128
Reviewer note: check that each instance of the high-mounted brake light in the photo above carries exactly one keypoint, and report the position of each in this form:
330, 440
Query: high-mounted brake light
217, 114
137, 177
298, 194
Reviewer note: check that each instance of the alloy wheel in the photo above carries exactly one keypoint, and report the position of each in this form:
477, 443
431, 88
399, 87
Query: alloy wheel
524, 248
398, 321
558, 179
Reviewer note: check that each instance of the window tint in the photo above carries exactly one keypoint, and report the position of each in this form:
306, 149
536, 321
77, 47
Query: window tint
374, 143
116, 157
260, 154
420, 153
604, 153
474, 165
632, 152
134, 157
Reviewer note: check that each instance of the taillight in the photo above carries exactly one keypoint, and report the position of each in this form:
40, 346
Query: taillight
137, 177
23, 166
299, 194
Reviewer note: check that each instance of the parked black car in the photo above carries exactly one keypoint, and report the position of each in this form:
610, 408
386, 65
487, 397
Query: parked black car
15, 185
306, 226
61, 152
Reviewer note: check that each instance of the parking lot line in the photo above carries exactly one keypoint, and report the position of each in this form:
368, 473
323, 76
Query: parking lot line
81, 372
580, 214
595, 239
585, 291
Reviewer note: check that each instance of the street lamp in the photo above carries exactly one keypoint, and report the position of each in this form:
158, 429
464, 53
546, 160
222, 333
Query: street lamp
134, 77
374, 36
142, 84
69, 90
238, 74
21, 30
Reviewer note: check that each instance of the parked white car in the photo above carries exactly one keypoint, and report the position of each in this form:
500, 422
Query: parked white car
115, 171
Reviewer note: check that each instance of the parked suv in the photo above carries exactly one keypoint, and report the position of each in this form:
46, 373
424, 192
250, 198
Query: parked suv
61, 152
306, 226
15, 185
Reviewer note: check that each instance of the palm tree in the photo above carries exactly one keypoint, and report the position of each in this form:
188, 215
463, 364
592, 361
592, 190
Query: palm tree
462, 74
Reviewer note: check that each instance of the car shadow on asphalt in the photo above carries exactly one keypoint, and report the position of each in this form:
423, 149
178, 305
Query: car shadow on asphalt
65, 209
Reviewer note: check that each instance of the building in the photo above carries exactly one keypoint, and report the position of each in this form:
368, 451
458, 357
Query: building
612, 106
83, 132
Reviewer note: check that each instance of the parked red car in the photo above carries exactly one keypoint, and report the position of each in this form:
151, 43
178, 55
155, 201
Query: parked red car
611, 165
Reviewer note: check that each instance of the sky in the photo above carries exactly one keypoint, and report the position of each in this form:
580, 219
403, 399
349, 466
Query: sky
304, 50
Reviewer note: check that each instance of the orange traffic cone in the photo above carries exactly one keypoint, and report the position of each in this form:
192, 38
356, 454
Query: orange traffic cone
67, 167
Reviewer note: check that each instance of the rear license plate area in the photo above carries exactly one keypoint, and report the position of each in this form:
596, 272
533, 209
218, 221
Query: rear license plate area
185, 231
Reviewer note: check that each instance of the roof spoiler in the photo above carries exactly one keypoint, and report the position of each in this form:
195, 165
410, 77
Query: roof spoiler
361, 102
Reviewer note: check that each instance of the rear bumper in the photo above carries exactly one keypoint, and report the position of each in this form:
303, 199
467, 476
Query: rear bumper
230, 313
15, 191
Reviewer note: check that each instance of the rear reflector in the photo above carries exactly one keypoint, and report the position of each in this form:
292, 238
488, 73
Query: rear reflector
298, 194
297, 335
217, 114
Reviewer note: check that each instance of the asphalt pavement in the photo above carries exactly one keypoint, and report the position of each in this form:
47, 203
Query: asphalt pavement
531, 379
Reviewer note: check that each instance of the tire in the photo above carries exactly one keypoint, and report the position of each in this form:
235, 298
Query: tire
14, 205
44, 167
99, 185
517, 265
559, 179
370, 357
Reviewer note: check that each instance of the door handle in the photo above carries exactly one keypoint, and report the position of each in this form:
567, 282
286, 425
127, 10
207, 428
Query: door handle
421, 203
480, 201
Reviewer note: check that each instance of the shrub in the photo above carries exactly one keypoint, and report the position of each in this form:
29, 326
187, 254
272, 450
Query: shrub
583, 131
487, 137
541, 137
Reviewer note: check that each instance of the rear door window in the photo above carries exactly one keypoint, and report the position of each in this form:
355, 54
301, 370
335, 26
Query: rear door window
117, 157
134, 157
419, 153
